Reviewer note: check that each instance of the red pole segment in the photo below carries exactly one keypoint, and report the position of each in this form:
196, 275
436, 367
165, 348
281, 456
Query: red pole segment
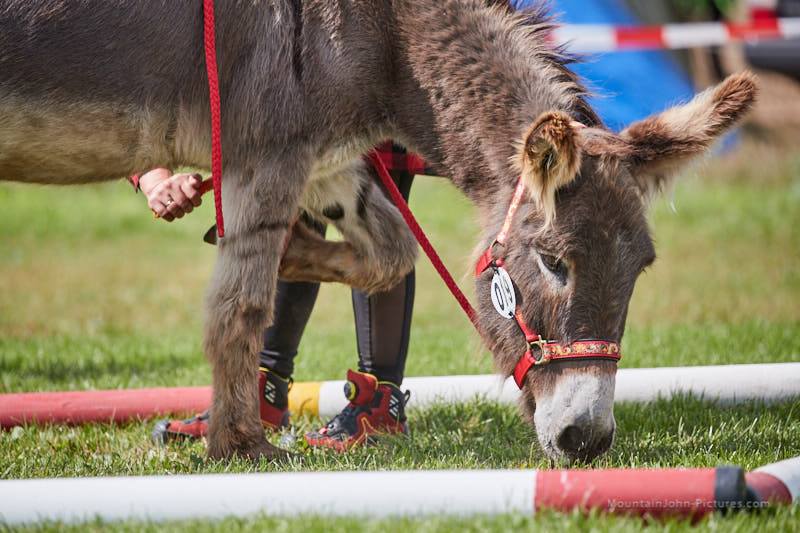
686, 492
767, 488
778, 482
81, 407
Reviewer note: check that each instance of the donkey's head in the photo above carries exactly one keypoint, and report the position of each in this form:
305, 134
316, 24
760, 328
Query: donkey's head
574, 249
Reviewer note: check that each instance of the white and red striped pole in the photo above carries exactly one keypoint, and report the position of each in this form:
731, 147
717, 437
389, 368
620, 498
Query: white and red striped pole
684, 492
594, 38
724, 383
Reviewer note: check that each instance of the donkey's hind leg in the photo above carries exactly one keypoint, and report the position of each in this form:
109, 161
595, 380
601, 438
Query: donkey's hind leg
378, 249
258, 206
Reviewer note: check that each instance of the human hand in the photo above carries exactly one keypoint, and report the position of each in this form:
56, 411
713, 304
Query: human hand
171, 196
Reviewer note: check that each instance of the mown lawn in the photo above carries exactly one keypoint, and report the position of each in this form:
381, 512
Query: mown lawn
95, 294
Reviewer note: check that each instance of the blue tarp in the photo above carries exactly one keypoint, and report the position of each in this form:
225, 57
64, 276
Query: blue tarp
628, 85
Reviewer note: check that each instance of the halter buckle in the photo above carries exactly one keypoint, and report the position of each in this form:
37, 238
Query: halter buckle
540, 355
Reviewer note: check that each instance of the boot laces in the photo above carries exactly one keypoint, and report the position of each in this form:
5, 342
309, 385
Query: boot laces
344, 414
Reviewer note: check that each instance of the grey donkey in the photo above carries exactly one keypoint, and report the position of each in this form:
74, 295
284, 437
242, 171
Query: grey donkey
91, 91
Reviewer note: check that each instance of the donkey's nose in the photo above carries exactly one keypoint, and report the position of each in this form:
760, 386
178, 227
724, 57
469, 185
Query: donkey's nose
572, 440
583, 444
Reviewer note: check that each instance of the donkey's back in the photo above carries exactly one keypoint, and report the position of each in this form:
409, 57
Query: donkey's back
83, 82
94, 90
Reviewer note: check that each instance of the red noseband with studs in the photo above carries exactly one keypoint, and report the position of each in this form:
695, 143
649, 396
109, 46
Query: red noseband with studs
540, 351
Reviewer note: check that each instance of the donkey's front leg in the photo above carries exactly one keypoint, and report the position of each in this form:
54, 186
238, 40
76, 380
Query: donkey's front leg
258, 205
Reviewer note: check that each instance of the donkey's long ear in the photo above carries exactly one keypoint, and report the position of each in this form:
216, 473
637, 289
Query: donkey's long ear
550, 158
662, 144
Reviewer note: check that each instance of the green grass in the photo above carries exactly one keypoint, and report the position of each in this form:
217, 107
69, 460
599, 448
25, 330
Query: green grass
785, 520
95, 294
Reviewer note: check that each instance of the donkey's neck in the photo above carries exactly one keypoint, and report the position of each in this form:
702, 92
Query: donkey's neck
471, 81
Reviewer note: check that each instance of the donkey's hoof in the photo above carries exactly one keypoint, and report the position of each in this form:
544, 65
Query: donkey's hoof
247, 447
255, 452
265, 450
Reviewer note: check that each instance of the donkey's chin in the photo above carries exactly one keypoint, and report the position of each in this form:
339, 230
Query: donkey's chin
575, 421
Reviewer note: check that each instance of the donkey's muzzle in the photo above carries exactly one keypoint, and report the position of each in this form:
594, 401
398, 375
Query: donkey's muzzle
582, 444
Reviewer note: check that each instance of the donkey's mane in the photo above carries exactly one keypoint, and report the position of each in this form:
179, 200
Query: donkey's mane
537, 20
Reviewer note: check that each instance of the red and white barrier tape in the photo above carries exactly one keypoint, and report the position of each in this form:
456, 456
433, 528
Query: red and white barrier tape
592, 38
760, 9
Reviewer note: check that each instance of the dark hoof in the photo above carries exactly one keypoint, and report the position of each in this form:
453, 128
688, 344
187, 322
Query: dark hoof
256, 452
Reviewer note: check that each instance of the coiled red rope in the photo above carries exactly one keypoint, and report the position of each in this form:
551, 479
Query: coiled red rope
210, 45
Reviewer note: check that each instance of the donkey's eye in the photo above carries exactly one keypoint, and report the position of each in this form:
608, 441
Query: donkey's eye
556, 266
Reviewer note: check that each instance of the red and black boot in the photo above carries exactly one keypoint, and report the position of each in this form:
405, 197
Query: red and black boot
376, 408
273, 404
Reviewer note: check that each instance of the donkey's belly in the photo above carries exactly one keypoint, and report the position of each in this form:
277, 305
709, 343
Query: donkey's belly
43, 141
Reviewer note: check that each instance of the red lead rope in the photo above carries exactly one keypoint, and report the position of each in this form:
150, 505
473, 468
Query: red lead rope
213, 95
422, 239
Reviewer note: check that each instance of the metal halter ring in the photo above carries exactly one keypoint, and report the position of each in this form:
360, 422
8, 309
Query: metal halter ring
538, 352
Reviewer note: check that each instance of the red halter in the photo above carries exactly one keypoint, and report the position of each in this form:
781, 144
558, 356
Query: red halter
540, 351
545, 351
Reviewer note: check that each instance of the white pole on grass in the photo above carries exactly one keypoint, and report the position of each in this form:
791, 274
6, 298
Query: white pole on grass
375, 494
727, 383
688, 492
724, 383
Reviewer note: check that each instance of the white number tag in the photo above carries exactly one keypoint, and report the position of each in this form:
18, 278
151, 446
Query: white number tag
503, 297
